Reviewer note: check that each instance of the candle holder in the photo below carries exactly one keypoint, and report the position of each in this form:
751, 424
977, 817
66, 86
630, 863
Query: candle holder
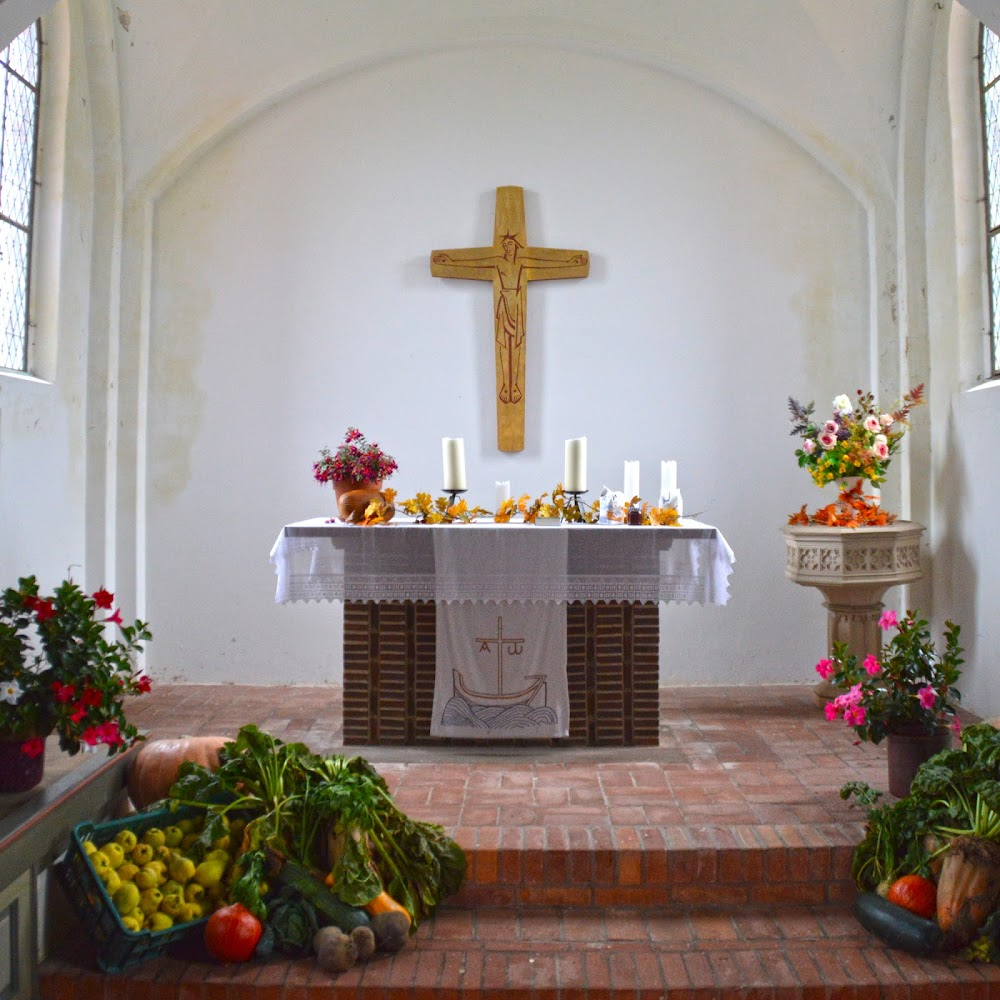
576, 494
452, 495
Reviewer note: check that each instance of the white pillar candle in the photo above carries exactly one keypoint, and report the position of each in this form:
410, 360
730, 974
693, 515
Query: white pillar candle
453, 456
503, 492
575, 469
631, 480
668, 478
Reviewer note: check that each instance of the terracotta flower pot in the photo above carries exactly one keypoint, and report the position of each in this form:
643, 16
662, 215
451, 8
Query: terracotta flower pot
908, 748
342, 486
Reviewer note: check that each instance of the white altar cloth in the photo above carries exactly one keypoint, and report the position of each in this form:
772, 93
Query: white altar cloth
318, 560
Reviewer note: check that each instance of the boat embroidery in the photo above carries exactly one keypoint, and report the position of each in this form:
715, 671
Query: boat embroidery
499, 709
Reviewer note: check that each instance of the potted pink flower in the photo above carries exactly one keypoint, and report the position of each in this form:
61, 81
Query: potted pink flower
906, 693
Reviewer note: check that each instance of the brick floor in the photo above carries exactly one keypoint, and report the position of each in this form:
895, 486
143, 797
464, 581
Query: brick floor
715, 865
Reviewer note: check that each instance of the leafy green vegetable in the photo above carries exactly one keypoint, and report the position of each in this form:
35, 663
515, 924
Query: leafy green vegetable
246, 889
294, 922
295, 802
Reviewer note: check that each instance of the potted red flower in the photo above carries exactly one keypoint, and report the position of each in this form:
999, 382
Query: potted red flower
356, 464
61, 673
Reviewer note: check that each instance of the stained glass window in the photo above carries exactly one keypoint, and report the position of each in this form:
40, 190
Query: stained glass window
990, 61
19, 77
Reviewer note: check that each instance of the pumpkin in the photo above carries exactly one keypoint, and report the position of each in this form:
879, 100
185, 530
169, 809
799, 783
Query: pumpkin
916, 894
352, 505
155, 767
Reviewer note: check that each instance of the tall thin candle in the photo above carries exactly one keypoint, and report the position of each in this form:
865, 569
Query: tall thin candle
631, 480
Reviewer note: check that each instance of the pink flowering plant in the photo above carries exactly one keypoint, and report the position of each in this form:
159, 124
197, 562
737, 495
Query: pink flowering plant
857, 440
356, 459
909, 685
61, 673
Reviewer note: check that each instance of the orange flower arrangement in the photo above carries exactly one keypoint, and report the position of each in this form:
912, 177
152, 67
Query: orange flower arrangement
852, 509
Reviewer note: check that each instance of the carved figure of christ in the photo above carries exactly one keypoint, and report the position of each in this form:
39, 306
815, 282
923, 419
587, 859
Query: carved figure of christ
510, 264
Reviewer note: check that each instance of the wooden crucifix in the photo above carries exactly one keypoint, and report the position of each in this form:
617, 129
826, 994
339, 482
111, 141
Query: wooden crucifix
510, 264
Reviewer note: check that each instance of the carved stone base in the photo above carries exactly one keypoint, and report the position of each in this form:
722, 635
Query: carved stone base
852, 568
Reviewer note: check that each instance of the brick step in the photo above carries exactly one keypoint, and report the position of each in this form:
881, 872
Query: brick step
695, 953
625, 866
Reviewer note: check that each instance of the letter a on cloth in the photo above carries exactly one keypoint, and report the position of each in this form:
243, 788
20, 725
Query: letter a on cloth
501, 671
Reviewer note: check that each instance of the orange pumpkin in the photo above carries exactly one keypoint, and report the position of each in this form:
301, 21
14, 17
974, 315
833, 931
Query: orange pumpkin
157, 762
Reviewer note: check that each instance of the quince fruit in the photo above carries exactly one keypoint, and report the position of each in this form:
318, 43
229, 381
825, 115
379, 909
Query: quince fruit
173, 835
142, 854
100, 862
128, 871
194, 893
149, 900
127, 839
115, 853
209, 873
182, 869
172, 905
126, 899
154, 836
147, 877
158, 921
112, 883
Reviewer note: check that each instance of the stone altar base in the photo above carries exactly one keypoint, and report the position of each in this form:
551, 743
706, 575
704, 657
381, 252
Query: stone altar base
612, 665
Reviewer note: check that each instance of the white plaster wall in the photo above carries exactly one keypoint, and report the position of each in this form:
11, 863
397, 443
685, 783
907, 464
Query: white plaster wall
965, 409
291, 296
753, 200
43, 432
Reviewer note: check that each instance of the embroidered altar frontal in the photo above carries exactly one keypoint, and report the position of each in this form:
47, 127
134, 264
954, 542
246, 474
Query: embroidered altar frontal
612, 674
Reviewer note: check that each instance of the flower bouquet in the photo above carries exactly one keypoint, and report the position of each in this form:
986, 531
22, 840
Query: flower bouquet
857, 441
60, 673
355, 460
909, 686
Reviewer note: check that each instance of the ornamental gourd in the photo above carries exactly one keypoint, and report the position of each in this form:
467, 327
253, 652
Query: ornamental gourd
155, 767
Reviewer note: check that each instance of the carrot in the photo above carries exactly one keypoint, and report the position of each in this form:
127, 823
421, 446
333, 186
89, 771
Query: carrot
384, 903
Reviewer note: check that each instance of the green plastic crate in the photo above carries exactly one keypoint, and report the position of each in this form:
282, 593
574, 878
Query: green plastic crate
118, 948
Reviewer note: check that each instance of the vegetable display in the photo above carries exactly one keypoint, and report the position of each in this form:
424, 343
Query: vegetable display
945, 836
298, 818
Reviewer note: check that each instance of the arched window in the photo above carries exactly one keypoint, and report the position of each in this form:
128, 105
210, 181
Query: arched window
989, 58
20, 71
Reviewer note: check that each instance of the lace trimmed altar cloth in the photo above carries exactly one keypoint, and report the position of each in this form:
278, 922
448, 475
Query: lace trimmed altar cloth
316, 560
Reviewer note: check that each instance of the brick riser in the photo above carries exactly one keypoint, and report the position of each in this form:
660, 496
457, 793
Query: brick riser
763, 953
641, 878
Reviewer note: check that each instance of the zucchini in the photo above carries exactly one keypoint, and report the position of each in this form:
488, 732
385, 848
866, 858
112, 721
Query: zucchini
896, 926
331, 909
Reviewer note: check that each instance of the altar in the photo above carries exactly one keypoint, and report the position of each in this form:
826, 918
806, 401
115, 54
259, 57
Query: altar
393, 578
